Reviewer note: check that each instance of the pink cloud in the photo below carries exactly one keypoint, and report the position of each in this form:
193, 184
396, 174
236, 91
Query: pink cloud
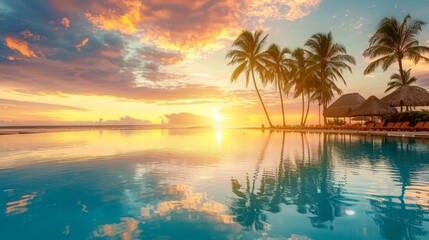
28, 34
65, 22
186, 24
80, 45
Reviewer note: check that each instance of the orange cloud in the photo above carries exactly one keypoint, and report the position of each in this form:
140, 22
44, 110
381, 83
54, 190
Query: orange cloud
189, 25
11, 58
80, 45
112, 20
20, 45
65, 22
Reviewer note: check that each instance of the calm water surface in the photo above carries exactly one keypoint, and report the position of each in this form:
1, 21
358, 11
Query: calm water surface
212, 184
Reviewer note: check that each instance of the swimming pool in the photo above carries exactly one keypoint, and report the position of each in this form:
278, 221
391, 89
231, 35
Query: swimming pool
212, 184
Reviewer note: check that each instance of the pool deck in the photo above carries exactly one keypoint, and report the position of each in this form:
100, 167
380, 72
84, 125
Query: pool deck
407, 134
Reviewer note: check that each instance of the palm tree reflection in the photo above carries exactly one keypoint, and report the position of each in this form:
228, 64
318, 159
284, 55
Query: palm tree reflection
315, 188
397, 220
249, 205
309, 186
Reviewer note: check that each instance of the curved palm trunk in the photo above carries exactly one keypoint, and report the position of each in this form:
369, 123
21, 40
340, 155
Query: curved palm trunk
260, 99
400, 69
324, 117
281, 101
308, 106
302, 113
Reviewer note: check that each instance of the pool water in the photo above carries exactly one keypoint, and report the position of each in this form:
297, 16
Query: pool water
212, 184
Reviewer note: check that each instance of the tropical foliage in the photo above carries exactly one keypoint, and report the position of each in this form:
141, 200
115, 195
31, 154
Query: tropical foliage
277, 71
302, 79
393, 42
327, 61
398, 80
247, 53
313, 71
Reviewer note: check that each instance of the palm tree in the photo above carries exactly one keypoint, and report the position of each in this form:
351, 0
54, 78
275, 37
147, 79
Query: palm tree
247, 52
301, 80
324, 93
276, 65
394, 41
397, 81
327, 62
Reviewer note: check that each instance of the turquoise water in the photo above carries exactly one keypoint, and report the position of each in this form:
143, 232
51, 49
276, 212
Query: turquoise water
212, 184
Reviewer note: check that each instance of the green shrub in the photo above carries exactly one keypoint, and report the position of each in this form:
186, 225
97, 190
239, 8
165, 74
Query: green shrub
412, 117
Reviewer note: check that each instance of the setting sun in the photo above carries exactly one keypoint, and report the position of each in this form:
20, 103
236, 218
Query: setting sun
218, 116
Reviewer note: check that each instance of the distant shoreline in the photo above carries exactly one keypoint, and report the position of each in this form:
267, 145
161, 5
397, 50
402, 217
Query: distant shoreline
11, 130
16, 130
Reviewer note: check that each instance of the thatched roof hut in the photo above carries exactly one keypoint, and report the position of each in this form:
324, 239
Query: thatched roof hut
373, 107
407, 96
344, 105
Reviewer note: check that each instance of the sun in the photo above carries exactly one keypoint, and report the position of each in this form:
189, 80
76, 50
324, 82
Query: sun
218, 116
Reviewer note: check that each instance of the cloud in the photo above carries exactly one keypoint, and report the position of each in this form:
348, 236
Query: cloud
21, 46
203, 75
65, 22
35, 106
127, 120
281, 9
134, 47
80, 45
160, 56
151, 72
28, 34
189, 25
20, 112
93, 75
188, 119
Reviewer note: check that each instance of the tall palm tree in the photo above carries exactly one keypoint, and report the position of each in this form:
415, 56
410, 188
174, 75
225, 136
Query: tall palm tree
247, 53
324, 93
276, 64
394, 41
327, 62
396, 80
301, 79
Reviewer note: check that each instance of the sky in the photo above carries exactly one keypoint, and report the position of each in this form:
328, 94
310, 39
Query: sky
163, 62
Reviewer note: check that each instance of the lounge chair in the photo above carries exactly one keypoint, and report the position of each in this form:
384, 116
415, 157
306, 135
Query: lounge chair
327, 126
392, 126
387, 127
367, 127
378, 126
425, 127
396, 126
418, 126
405, 126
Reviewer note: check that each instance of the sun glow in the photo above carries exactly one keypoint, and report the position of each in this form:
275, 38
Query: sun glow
218, 116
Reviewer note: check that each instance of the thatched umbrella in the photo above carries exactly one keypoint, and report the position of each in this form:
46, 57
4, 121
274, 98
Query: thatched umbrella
344, 105
407, 96
373, 107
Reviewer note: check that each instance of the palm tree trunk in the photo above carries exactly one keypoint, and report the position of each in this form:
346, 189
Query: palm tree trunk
281, 101
401, 69
324, 117
260, 99
308, 106
302, 113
